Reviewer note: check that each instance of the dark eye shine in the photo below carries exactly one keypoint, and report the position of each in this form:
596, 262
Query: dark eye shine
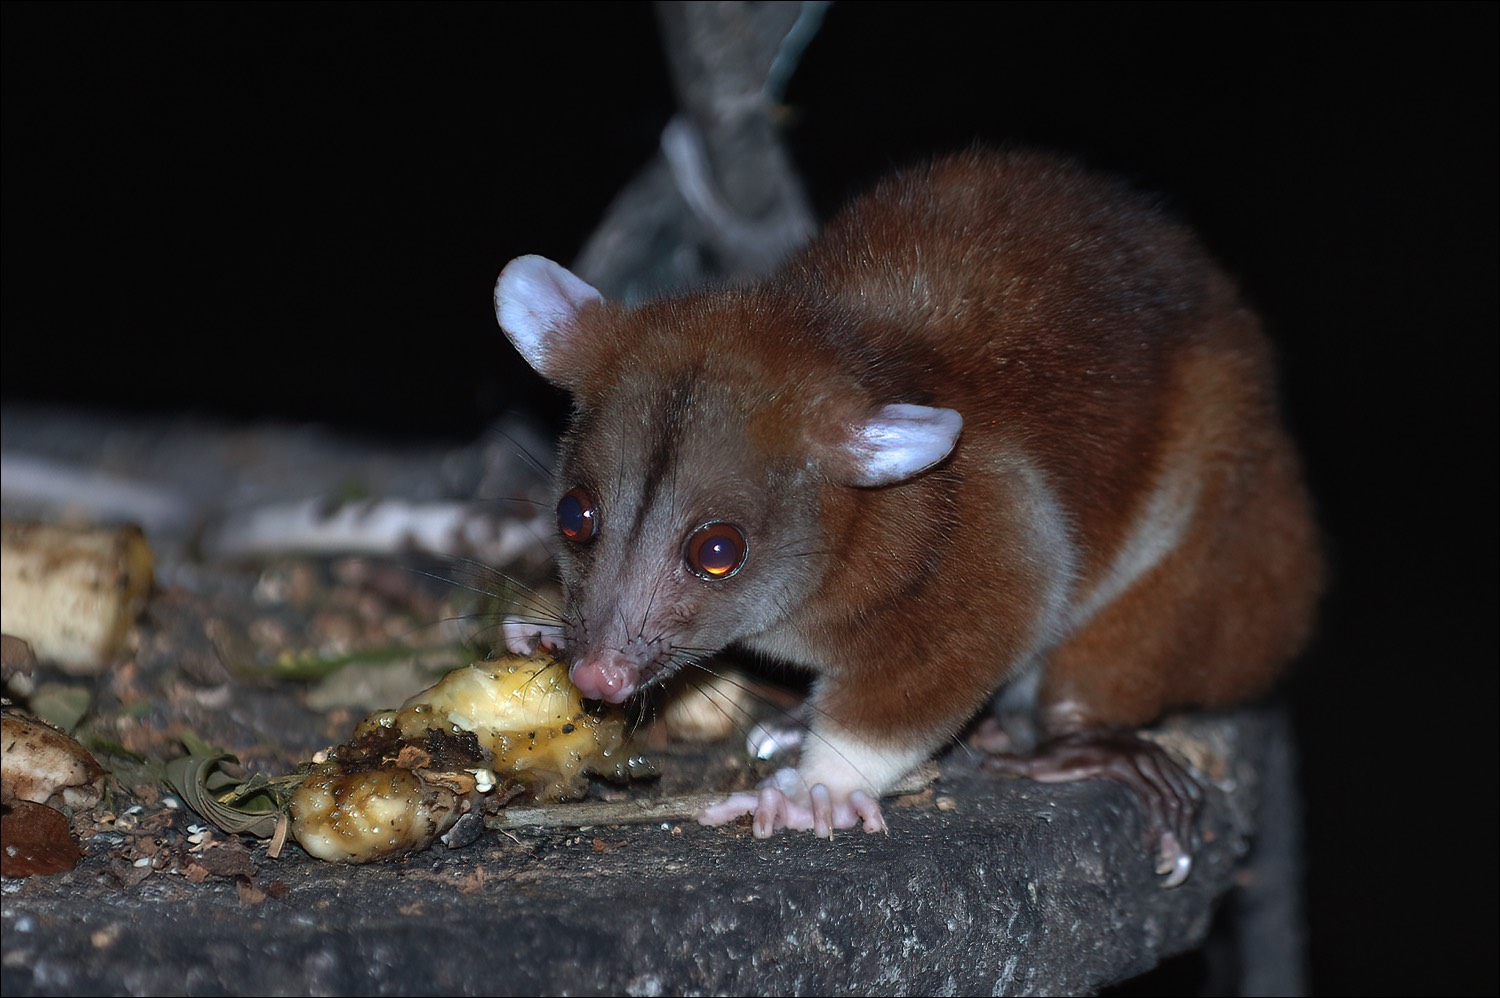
716, 550
576, 517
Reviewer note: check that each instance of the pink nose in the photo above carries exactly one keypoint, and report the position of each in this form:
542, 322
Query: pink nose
606, 675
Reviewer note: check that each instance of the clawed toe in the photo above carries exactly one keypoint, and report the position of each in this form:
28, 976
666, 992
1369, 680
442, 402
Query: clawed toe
819, 810
1169, 794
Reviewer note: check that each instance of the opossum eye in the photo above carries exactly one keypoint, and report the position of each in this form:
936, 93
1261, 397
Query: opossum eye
715, 550
576, 517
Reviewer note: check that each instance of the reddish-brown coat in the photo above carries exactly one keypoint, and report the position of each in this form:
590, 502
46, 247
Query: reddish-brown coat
1084, 337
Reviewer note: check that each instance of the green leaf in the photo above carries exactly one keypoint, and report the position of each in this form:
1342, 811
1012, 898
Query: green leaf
250, 807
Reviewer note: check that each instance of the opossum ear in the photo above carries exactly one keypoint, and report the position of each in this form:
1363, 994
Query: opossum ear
537, 302
900, 441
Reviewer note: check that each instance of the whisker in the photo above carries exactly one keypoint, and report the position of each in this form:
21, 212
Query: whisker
783, 703
541, 467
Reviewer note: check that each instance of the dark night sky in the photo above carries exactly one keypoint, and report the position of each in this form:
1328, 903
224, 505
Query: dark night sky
299, 210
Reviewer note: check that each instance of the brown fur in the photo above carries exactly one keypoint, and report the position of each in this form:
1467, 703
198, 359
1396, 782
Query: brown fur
1084, 337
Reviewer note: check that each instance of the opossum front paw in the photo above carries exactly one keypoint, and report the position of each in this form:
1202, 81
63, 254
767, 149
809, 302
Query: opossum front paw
770, 740
524, 637
785, 801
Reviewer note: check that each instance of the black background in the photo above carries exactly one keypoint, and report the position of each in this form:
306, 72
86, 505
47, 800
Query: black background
299, 210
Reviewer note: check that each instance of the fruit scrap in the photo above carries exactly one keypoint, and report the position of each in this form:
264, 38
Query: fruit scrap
73, 593
513, 727
41, 764
45, 776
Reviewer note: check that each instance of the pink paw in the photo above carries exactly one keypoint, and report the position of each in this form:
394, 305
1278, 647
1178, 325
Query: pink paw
784, 801
525, 637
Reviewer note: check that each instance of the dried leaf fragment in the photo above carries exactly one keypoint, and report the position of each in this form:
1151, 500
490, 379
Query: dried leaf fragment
35, 840
253, 806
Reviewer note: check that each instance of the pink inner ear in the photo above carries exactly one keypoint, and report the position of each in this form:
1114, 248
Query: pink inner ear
900, 441
536, 302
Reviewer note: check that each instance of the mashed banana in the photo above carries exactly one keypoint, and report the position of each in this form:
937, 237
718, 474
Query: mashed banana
496, 730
